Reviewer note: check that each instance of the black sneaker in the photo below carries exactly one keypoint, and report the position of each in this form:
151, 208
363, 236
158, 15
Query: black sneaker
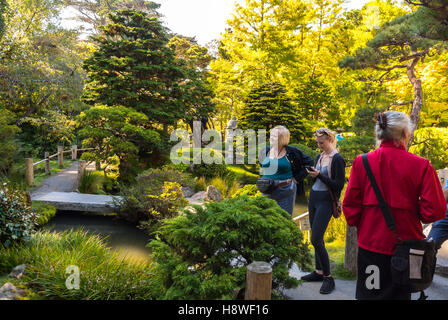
327, 285
312, 277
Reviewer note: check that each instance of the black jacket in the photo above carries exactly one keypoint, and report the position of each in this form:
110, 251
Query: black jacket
298, 161
337, 180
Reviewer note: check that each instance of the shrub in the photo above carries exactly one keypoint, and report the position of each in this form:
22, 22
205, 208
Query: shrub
103, 274
211, 170
249, 189
227, 187
147, 195
204, 255
17, 219
91, 182
350, 147
44, 212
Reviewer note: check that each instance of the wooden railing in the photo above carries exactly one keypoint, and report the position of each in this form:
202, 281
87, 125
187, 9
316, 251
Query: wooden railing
29, 164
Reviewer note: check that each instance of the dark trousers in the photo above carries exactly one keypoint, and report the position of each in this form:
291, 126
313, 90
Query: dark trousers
320, 212
374, 278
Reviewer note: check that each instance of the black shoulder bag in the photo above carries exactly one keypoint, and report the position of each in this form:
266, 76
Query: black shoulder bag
414, 261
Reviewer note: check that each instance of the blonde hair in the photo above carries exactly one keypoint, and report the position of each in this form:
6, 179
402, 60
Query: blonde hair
324, 132
283, 136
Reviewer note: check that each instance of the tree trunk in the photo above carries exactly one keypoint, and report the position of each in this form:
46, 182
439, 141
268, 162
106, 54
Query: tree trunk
351, 250
418, 98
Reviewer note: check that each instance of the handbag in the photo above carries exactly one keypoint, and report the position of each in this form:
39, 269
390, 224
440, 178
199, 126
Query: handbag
337, 205
266, 185
414, 261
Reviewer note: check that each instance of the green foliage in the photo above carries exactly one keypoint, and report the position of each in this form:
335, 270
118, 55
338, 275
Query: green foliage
138, 69
306, 150
226, 186
316, 102
150, 194
44, 212
350, 147
91, 182
204, 255
104, 275
3, 5
249, 189
17, 219
431, 143
211, 170
117, 131
8, 145
268, 106
362, 122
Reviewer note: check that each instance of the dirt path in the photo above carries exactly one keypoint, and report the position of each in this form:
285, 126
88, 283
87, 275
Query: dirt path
64, 181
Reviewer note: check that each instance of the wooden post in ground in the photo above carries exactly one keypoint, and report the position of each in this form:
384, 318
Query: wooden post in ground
61, 156
351, 250
74, 152
258, 281
29, 171
47, 163
81, 170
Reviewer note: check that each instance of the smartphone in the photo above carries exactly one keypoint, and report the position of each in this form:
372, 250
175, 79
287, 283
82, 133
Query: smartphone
309, 168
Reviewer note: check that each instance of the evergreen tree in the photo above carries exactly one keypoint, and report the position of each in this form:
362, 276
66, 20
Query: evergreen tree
3, 5
268, 106
134, 67
400, 45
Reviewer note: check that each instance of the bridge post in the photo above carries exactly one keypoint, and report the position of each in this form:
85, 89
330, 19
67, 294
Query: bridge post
29, 171
61, 156
74, 152
258, 281
81, 170
47, 163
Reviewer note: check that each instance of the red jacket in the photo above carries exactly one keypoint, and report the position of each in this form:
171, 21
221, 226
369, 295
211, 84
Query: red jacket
410, 187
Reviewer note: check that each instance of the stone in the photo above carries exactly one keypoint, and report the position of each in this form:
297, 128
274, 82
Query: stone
17, 272
198, 197
213, 194
72, 201
187, 191
9, 292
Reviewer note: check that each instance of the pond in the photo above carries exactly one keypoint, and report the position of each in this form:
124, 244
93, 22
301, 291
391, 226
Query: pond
119, 235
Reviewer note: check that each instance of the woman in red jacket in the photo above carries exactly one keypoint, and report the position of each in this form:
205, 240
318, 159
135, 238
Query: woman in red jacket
412, 190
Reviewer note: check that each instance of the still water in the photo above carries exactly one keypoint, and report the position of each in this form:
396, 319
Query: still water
119, 235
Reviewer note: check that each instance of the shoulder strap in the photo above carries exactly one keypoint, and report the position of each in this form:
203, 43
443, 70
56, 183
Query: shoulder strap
382, 203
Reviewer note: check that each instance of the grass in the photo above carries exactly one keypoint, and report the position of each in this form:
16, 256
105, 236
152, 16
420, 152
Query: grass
243, 175
104, 275
336, 252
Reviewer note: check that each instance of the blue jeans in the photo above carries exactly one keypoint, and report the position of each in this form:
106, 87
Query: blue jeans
439, 232
285, 196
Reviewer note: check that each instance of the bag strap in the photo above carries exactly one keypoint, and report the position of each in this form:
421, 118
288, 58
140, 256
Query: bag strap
381, 202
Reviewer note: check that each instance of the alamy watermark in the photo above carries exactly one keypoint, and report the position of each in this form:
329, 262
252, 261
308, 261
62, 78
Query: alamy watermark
218, 151
73, 280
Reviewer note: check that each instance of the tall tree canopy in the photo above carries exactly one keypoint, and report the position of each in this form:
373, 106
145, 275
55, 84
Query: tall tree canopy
134, 67
400, 45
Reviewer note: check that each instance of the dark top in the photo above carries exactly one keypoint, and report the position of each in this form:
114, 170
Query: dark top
337, 180
298, 161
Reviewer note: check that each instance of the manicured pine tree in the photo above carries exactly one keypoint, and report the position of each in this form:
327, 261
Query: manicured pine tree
268, 106
400, 45
134, 67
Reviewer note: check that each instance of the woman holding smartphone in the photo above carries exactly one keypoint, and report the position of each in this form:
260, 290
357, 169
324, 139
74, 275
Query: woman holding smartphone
328, 174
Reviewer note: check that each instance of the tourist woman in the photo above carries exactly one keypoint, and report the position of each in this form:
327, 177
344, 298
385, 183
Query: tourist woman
328, 176
410, 187
286, 165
